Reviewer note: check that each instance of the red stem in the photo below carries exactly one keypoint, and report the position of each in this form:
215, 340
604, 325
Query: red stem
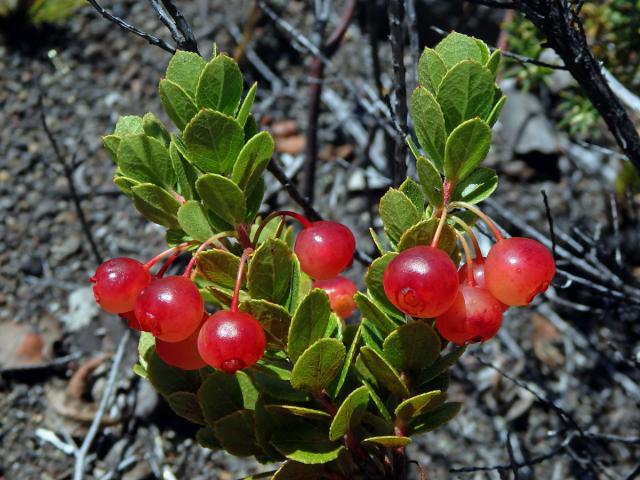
436, 237
167, 264
280, 213
149, 265
236, 292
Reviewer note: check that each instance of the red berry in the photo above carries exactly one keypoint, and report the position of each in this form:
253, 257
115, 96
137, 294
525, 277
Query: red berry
421, 282
118, 282
474, 316
325, 249
518, 269
182, 354
231, 341
478, 273
132, 321
341, 291
171, 308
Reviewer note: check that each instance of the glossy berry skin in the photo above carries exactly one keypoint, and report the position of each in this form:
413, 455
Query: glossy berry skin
183, 355
517, 269
231, 341
478, 273
132, 321
421, 282
325, 249
170, 308
474, 316
341, 291
117, 283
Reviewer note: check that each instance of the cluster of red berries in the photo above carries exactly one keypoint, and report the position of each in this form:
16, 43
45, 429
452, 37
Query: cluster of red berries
468, 306
172, 309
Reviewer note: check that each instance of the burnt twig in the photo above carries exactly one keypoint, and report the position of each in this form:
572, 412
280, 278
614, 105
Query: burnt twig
398, 163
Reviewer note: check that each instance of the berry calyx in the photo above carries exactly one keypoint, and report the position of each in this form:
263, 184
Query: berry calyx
517, 269
325, 249
231, 341
340, 291
421, 282
171, 308
117, 283
183, 354
474, 316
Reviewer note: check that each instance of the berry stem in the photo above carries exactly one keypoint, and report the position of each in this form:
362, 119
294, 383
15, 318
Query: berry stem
167, 264
436, 237
474, 240
280, 213
467, 253
149, 265
236, 291
192, 262
485, 218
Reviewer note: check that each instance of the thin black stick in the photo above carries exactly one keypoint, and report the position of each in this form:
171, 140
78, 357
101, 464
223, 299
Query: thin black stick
67, 169
552, 232
153, 40
396, 24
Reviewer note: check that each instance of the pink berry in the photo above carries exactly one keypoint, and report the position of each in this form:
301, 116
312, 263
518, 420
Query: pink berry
183, 355
421, 282
325, 249
117, 283
474, 316
478, 276
518, 269
231, 341
341, 291
171, 308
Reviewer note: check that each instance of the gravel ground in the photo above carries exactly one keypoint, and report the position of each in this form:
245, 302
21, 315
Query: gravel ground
89, 72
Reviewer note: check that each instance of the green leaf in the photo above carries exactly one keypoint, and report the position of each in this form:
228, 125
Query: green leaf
222, 197
422, 234
374, 314
184, 69
306, 442
252, 160
429, 122
156, 205
129, 125
235, 433
494, 62
185, 172
385, 374
213, 141
431, 181
247, 103
351, 353
177, 103
484, 51
378, 401
388, 441
466, 92
431, 70
373, 280
125, 185
220, 85
254, 201
350, 413
274, 319
146, 160
413, 191
193, 221
206, 438
146, 346
219, 267
154, 127
309, 323
398, 213
222, 394
318, 365
433, 419
275, 383
439, 366
269, 275
266, 424
291, 470
298, 411
496, 111
186, 405
477, 186
416, 405
167, 379
456, 47
467, 147
412, 346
